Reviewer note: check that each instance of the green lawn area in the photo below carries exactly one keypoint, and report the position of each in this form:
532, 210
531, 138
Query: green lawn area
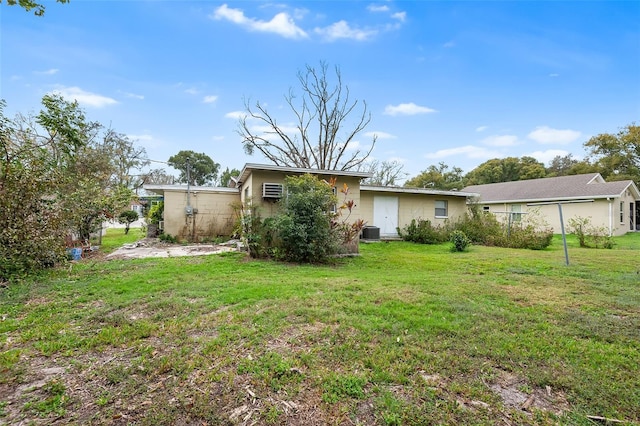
404, 334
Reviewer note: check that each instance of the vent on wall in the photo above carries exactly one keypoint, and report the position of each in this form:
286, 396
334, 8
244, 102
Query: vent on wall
161, 225
271, 190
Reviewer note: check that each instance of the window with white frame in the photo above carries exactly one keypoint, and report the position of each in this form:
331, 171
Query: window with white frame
516, 212
621, 211
442, 208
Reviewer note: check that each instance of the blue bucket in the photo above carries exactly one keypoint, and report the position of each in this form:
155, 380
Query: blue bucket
76, 253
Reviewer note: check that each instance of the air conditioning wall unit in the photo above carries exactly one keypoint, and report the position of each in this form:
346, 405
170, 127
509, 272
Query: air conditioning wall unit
272, 190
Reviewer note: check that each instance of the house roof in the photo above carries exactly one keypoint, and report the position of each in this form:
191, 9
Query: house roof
161, 189
420, 191
575, 187
250, 167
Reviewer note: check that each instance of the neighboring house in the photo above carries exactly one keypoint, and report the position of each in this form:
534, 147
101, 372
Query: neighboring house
612, 205
199, 211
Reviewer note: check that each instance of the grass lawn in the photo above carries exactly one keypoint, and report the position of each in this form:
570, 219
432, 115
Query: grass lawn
404, 334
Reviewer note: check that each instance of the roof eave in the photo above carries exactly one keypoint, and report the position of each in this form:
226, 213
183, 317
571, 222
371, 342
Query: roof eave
249, 167
423, 191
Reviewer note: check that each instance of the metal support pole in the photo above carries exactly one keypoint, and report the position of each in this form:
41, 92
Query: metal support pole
564, 235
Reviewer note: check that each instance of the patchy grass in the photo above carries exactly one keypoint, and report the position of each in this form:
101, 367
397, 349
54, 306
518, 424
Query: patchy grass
404, 334
116, 238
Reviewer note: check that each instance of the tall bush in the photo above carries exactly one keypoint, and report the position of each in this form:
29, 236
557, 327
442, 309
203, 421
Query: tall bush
304, 228
589, 235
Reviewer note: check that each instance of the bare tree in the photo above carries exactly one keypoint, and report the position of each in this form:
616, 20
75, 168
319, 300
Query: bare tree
384, 173
322, 134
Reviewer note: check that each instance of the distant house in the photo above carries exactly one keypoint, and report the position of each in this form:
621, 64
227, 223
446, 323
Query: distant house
206, 211
613, 205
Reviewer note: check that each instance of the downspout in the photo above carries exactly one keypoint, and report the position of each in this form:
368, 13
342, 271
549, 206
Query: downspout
610, 216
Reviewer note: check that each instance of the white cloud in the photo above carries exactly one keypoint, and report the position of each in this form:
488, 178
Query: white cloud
501, 140
342, 29
85, 98
547, 135
548, 155
281, 24
449, 44
236, 115
554, 75
192, 91
131, 95
353, 146
377, 8
400, 16
146, 140
468, 151
209, 99
481, 128
51, 71
143, 137
407, 109
380, 135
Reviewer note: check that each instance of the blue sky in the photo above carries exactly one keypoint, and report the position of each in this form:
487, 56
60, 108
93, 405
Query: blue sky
452, 82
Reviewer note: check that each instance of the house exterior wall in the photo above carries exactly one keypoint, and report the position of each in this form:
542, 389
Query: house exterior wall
214, 214
413, 206
601, 213
268, 207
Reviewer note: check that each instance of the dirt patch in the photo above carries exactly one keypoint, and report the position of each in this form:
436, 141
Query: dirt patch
152, 247
515, 393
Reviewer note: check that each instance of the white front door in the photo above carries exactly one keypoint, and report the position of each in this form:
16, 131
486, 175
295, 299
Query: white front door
385, 215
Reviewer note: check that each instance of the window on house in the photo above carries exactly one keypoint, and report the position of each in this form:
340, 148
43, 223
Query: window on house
485, 208
516, 212
441, 208
334, 207
621, 211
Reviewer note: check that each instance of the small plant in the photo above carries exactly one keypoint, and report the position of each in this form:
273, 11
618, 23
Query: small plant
338, 387
168, 238
53, 402
459, 241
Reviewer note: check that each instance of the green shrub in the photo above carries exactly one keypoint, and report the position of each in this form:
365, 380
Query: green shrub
479, 226
459, 241
156, 213
168, 238
589, 236
303, 229
421, 231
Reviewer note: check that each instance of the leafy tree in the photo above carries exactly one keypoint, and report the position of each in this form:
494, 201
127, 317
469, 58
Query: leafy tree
438, 177
322, 137
567, 165
617, 156
507, 169
55, 177
127, 217
384, 173
201, 169
225, 177
561, 165
30, 4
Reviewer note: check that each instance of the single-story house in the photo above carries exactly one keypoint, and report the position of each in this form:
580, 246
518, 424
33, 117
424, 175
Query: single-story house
614, 206
200, 212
